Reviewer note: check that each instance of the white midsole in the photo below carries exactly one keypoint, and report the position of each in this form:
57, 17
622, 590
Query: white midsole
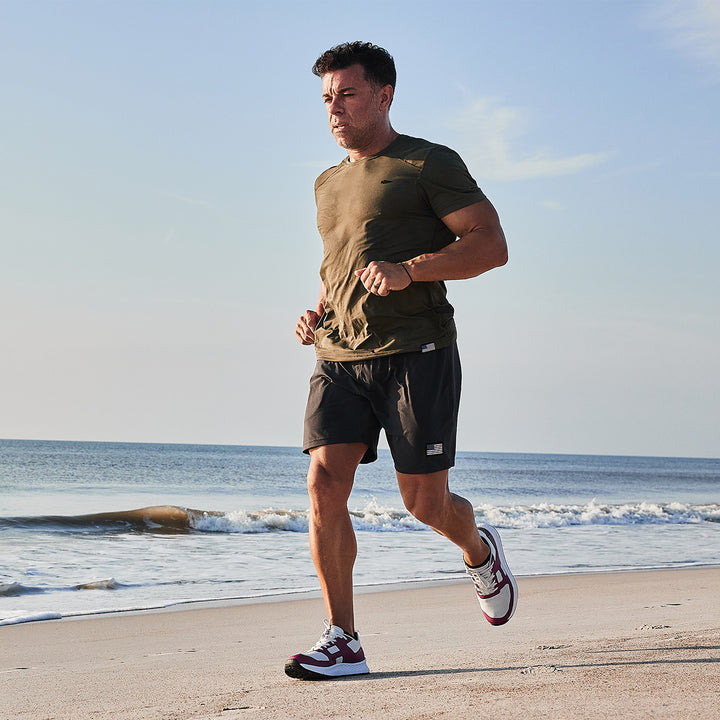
360, 668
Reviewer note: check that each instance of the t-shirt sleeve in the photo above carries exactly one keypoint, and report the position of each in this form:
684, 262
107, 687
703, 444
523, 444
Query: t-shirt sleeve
447, 183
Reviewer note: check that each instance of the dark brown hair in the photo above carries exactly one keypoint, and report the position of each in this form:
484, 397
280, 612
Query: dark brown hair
377, 62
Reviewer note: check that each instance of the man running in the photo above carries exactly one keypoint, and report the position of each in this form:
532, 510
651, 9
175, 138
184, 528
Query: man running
398, 217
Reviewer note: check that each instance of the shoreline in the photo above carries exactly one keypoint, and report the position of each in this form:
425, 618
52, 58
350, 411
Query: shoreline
633, 644
292, 595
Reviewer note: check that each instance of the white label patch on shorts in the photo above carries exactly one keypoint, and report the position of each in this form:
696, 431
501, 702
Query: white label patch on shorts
434, 449
427, 348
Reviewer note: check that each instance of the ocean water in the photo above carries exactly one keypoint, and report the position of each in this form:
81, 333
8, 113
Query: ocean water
230, 522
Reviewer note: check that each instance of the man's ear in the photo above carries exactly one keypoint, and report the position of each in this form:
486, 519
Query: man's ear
386, 96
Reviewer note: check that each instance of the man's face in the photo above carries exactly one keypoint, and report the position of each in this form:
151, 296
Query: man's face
354, 108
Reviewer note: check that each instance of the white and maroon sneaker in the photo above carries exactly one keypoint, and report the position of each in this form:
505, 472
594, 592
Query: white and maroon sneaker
334, 655
494, 584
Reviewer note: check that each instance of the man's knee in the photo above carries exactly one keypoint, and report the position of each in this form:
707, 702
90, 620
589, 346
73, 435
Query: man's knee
427, 512
332, 472
325, 485
428, 508
425, 496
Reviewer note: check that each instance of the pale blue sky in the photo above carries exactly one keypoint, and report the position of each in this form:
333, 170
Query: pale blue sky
158, 235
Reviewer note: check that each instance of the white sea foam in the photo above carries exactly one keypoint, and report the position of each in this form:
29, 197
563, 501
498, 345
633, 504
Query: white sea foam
548, 515
258, 521
106, 584
375, 518
21, 617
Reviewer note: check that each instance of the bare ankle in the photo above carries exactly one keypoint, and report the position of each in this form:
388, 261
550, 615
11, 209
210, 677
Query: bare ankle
480, 556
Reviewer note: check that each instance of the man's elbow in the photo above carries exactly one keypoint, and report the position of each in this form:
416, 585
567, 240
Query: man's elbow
490, 253
502, 256
500, 251
492, 258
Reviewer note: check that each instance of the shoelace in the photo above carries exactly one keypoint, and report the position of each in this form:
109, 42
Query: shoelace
325, 639
484, 579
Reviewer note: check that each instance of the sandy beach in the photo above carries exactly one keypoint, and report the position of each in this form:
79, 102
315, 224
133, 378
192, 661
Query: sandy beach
631, 645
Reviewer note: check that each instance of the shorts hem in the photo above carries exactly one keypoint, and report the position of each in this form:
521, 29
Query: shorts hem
369, 456
438, 467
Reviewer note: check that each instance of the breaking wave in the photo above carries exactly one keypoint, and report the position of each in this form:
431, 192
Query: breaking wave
14, 589
372, 517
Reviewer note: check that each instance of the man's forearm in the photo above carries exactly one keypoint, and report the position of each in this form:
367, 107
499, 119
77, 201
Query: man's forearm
470, 256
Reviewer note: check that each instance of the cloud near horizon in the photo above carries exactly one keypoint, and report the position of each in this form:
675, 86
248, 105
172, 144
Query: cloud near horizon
486, 132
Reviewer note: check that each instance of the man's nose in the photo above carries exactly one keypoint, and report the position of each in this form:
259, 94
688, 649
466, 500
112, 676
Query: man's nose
335, 106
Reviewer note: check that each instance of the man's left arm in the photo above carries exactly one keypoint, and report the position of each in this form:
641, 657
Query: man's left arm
480, 247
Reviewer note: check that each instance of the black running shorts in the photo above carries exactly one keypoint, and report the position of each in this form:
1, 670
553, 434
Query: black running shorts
414, 397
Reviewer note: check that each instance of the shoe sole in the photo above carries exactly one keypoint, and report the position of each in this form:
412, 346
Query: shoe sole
298, 671
493, 534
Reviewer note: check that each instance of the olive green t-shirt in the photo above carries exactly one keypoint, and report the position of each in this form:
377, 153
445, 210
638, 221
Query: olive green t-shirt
387, 207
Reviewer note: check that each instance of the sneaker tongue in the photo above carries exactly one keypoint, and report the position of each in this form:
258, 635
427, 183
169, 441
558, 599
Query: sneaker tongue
334, 631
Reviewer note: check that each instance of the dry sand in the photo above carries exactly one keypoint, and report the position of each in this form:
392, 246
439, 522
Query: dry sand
621, 645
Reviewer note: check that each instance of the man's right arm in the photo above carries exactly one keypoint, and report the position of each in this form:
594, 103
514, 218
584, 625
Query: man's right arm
305, 328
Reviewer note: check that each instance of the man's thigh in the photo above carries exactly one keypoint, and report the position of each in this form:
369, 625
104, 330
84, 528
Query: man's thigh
339, 460
339, 412
421, 422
